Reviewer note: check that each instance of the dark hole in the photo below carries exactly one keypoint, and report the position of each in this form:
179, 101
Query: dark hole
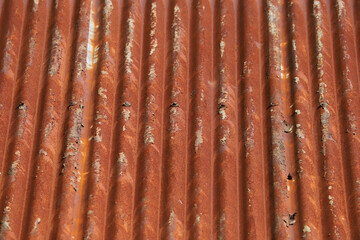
221, 106
292, 219
272, 105
20, 105
289, 177
174, 104
126, 104
292, 216
71, 104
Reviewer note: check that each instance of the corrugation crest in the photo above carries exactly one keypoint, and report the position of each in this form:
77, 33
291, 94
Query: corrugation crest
177, 119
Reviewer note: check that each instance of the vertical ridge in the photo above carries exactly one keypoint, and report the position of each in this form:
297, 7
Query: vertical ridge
252, 179
147, 183
74, 155
356, 9
11, 39
123, 153
347, 82
100, 141
172, 206
225, 191
195, 119
50, 120
333, 218
23, 120
307, 170
30, 223
263, 120
198, 196
283, 206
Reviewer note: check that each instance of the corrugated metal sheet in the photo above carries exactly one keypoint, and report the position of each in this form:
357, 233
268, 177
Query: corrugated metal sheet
179, 119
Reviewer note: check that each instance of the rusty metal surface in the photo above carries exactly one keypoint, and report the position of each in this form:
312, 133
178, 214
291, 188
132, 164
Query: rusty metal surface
182, 119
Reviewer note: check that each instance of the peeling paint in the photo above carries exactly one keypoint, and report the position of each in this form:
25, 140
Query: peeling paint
129, 43
148, 135
35, 5
7, 56
222, 47
331, 200
98, 136
153, 19
125, 114
152, 73
173, 123
108, 8
56, 53
172, 218
36, 223
123, 163
42, 151
225, 136
14, 166
176, 29
222, 219
299, 133
92, 49
5, 221
102, 92
97, 167
198, 134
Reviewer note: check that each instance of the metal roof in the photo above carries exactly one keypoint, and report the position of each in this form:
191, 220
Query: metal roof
179, 119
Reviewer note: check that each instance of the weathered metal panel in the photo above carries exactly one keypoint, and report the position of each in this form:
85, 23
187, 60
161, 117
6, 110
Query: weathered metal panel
182, 119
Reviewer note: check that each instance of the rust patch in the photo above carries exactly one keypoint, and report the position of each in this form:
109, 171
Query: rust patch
179, 119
